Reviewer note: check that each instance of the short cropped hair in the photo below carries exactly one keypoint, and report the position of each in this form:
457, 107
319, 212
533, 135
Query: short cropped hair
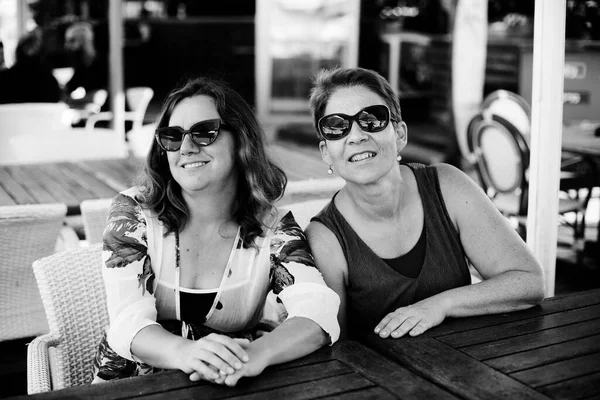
328, 81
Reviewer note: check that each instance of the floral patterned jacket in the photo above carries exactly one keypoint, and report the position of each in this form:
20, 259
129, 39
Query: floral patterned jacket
261, 286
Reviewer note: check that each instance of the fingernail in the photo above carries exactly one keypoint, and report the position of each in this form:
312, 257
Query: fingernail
384, 333
231, 370
377, 330
238, 365
245, 358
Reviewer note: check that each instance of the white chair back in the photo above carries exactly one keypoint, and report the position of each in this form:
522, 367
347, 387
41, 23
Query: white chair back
138, 99
510, 106
93, 214
73, 293
27, 233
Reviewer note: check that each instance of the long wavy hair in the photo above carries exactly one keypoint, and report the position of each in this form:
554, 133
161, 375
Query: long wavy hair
328, 81
260, 182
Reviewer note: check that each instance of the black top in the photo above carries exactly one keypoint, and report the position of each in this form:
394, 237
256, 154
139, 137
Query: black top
195, 306
376, 289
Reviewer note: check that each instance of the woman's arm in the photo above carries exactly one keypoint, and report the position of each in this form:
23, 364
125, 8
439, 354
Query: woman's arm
134, 333
513, 278
330, 260
311, 306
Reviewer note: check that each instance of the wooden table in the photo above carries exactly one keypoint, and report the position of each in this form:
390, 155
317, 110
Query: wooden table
581, 139
551, 351
73, 182
347, 370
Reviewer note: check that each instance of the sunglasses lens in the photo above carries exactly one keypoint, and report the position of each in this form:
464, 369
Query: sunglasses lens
334, 127
373, 119
170, 139
204, 133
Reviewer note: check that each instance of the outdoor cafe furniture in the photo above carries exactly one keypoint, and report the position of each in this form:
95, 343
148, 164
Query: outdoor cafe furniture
27, 232
93, 215
41, 132
138, 98
72, 182
550, 351
73, 294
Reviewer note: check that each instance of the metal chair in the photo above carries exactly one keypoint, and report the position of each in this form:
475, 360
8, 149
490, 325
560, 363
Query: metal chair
27, 232
73, 293
502, 163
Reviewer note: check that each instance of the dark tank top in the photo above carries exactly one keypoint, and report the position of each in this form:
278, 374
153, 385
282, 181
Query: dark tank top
376, 289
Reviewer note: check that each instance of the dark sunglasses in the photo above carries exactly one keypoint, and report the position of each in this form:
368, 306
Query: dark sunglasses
202, 133
370, 119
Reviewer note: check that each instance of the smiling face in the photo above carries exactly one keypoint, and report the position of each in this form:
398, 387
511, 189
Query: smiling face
196, 168
362, 157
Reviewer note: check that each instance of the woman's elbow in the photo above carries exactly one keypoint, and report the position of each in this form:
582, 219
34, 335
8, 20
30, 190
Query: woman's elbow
536, 292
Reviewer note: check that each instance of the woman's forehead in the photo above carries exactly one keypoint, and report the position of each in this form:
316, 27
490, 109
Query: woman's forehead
350, 100
193, 109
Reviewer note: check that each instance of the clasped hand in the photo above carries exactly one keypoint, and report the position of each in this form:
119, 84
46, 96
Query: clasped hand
414, 319
220, 359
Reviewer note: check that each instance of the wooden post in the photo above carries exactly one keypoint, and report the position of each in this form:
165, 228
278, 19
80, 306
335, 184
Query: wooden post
117, 97
546, 133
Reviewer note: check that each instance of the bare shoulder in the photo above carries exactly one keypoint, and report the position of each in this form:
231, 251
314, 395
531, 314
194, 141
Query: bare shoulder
461, 193
327, 251
455, 184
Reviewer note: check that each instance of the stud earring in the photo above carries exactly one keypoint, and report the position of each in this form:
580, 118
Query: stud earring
398, 158
329, 171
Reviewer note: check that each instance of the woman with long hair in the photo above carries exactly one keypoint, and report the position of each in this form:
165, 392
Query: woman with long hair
203, 274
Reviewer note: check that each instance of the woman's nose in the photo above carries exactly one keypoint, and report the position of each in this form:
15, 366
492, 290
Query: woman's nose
188, 146
357, 135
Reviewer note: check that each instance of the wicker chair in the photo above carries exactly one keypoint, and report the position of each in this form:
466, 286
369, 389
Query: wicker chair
27, 232
94, 213
74, 297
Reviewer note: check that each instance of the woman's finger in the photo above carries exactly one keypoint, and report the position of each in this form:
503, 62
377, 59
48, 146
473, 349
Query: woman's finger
203, 371
406, 326
233, 348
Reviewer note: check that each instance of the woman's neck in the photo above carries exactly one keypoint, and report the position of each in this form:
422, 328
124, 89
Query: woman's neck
211, 207
383, 199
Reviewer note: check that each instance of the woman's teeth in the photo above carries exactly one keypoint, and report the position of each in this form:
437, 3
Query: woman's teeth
362, 156
195, 165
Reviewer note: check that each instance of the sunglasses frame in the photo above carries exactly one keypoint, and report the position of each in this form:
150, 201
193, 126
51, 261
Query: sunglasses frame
352, 119
158, 131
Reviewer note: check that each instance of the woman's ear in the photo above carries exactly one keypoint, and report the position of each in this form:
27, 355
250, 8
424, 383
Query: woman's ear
401, 134
324, 152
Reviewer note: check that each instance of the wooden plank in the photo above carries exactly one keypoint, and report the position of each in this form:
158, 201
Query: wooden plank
159, 384
386, 374
560, 371
96, 188
584, 387
5, 199
546, 355
57, 175
55, 188
454, 371
549, 306
531, 341
30, 184
373, 393
306, 390
115, 178
519, 328
14, 188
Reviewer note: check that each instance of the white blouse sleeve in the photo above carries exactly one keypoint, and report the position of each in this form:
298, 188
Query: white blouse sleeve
128, 275
296, 281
